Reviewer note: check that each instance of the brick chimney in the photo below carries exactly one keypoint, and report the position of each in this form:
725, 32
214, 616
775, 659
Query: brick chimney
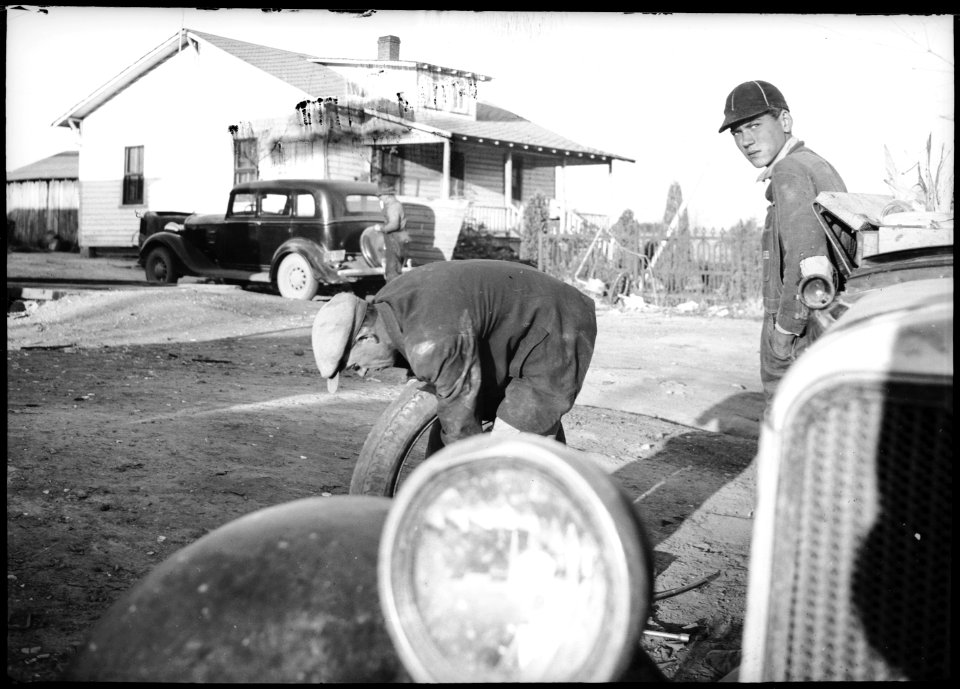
388, 48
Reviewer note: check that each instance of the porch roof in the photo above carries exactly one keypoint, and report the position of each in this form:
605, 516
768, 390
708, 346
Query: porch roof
519, 134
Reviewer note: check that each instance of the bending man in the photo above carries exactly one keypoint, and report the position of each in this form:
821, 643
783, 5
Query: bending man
499, 341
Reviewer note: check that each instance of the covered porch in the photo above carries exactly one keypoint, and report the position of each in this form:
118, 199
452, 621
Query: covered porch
495, 165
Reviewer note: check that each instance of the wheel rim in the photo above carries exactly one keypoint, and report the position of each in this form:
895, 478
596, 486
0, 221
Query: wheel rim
294, 277
297, 279
415, 455
160, 269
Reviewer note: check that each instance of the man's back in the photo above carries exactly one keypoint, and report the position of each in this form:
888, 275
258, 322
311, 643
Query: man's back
494, 293
483, 325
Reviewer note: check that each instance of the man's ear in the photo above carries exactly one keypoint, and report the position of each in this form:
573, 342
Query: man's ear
786, 121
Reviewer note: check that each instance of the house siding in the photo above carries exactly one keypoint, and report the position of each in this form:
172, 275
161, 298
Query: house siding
103, 221
483, 175
349, 162
538, 180
422, 168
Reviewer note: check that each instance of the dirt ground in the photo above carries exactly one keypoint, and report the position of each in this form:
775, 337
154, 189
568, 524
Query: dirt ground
139, 419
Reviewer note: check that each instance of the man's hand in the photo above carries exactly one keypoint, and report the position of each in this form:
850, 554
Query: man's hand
782, 344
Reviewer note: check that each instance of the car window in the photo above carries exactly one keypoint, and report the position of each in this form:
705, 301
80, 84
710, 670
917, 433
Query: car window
273, 203
243, 204
306, 206
362, 203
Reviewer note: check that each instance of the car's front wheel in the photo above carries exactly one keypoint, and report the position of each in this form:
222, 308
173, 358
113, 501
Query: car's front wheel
161, 267
295, 278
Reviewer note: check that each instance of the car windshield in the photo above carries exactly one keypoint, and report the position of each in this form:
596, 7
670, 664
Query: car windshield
362, 203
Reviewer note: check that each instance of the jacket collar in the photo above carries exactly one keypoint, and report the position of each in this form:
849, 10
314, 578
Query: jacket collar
788, 146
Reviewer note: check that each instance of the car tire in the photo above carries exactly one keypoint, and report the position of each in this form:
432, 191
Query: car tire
406, 433
295, 278
404, 436
160, 266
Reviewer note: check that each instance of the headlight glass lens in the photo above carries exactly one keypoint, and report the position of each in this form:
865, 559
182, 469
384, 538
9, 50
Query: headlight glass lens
513, 561
817, 293
516, 564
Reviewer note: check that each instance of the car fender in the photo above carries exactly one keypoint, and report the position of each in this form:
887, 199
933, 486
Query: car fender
314, 254
284, 594
191, 259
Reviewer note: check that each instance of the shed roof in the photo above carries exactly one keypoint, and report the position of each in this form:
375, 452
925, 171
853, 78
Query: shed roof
63, 165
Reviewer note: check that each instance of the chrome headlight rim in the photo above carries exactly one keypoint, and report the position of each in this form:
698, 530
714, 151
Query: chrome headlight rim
614, 522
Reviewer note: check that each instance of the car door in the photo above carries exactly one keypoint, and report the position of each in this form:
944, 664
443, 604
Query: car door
276, 215
234, 242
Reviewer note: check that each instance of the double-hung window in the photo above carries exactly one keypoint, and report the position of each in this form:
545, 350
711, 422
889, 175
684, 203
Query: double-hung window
133, 176
245, 161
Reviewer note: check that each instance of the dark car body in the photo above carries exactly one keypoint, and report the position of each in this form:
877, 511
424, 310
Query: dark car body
322, 221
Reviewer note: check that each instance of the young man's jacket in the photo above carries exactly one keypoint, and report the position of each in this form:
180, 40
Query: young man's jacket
792, 231
495, 338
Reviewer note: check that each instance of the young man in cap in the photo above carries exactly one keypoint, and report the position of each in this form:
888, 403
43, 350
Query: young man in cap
793, 242
499, 341
395, 236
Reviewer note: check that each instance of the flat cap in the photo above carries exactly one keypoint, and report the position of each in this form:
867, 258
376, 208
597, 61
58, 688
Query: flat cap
334, 329
749, 99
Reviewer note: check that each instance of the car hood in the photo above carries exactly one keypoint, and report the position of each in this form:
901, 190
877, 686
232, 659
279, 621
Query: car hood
906, 296
197, 219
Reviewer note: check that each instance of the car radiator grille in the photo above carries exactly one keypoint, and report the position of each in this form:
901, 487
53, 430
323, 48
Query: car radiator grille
862, 544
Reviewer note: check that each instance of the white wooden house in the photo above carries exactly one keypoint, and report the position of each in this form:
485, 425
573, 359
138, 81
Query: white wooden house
177, 129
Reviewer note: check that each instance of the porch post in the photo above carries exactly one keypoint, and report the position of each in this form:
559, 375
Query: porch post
564, 212
445, 184
508, 179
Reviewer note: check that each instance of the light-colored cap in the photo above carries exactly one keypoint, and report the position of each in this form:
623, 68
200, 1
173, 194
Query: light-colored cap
334, 329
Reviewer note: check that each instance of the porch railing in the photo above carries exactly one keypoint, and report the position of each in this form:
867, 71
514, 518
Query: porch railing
507, 221
504, 221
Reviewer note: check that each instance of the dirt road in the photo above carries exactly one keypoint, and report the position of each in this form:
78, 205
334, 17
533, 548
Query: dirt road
139, 420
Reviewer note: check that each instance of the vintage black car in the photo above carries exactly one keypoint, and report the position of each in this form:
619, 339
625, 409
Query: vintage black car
295, 234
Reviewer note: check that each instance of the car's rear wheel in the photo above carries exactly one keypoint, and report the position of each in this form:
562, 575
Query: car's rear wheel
295, 278
161, 267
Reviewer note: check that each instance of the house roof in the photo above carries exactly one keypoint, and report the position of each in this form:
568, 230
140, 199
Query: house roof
63, 165
305, 72
403, 64
297, 69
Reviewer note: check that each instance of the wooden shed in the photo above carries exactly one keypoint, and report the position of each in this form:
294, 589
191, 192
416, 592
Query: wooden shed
43, 202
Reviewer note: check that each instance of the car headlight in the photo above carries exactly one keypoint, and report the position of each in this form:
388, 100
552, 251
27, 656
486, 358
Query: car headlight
817, 292
513, 560
817, 283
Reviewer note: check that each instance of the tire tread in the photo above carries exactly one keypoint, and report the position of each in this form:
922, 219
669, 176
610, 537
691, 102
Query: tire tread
390, 439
